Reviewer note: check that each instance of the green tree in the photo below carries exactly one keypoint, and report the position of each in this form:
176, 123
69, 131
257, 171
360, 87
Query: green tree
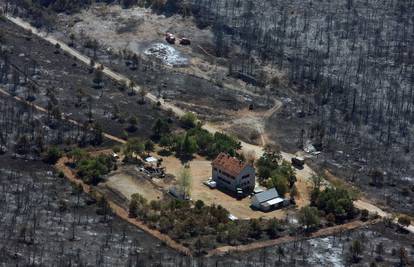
134, 145
288, 172
133, 121
184, 181
199, 204
336, 201
133, 205
188, 120
149, 146
309, 217
255, 229
91, 170
159, 129
52, 155
167, 141
281, 184
188, 146
77, 154
272, 228
268, 163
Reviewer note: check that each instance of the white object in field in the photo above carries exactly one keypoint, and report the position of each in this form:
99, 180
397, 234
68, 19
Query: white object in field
232, 217
168, 54
151, 160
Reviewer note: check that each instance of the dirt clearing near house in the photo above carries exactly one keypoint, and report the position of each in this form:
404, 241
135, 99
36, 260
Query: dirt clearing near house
129, 180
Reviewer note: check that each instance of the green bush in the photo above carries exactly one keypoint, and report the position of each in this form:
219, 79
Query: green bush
159, 129
334, 200
91, 170
198, 140
309, 217
188, 120
52, 155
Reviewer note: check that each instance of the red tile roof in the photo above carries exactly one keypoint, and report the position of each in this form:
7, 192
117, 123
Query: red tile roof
229, 164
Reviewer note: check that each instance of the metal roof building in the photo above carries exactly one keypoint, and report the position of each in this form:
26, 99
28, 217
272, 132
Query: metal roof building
267, 200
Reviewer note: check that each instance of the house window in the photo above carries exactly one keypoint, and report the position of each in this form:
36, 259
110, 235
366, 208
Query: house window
223, 180
246, 176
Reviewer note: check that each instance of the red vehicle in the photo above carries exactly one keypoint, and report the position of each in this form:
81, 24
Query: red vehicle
170, 38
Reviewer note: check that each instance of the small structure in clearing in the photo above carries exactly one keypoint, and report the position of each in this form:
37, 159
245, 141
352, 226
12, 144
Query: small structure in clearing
178, 193
267, 200
233, 174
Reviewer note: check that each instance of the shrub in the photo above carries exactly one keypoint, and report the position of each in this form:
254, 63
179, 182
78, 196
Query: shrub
267, 163
52, 155
364, 215
159, 129
334, 200
309, 217
91, 170
404, 221
188, 120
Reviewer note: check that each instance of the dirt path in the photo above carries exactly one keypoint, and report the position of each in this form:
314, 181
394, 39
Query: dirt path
258, 150
285, 239
121, 212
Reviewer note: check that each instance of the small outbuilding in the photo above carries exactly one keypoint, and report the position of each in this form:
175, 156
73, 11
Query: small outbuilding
178, 193
267, 200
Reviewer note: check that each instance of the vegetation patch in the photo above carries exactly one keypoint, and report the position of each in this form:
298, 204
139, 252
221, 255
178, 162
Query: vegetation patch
202, 227
91, 169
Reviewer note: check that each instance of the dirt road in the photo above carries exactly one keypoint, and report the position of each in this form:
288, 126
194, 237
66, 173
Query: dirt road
305, 173
269, 243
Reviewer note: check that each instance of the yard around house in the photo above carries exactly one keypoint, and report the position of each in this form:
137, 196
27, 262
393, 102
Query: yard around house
128, 180
201, 171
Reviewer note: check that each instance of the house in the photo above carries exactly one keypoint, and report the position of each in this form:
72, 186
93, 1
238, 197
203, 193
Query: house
267, 200
233, 174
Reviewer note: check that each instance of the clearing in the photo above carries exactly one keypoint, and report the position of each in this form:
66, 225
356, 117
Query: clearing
128, 180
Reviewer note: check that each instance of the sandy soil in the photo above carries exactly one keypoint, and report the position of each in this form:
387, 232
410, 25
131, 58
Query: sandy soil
128, 181
137, 29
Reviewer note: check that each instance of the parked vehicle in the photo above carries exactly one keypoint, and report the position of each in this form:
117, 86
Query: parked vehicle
298, 162
211, 183
185, 41
170, 38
